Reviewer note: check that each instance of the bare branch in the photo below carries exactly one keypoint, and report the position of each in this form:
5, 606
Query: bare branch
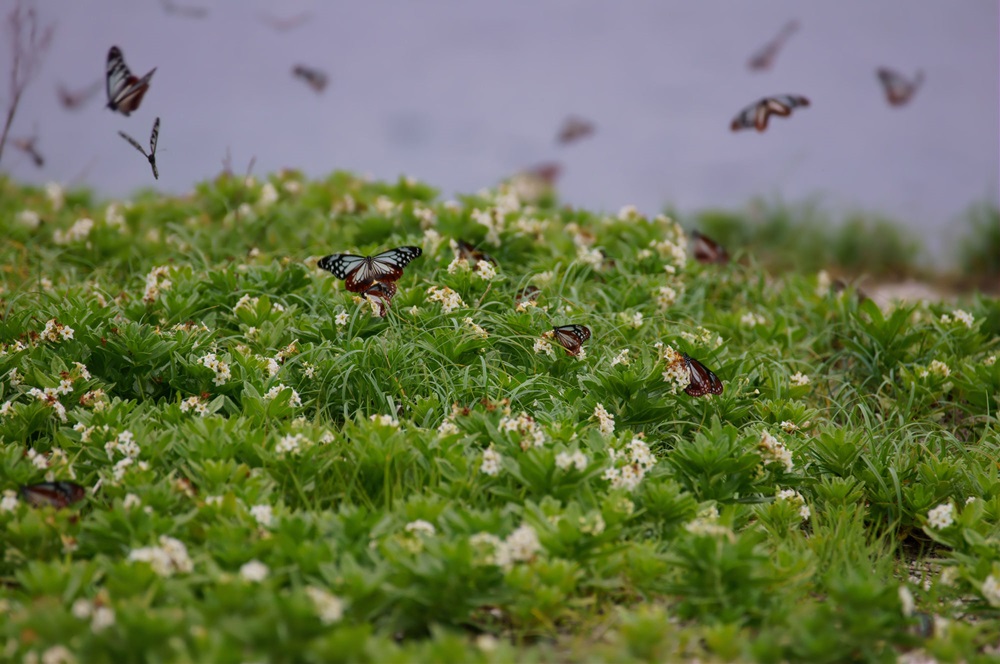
28, 43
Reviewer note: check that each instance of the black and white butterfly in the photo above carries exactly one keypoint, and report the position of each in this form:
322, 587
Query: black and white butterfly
153, 136
898, 90
707, 250
56, 494
756, 115
125, 91
469, 252
359, 272
571, 337
703, 381
315, 78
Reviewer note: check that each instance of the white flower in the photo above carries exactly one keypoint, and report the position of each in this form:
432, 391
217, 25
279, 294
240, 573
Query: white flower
268, 195
578, 460
621, 358
221, 369
9, 501
990, 361
170, 557
58, 655
29, 218
629, 213
449, 299
665, 296
522, 545
54, 192
457, 265
82, 609
485, 271
447, 428
55, 331
491, 464
273, 393
196, 404
751, 319
471, 324
607, 421
421, 527
707, 523
823, 284
385, 421
103, 618
329, 608
131, 500
531, 434
936, 367
290, 444
906, 601
254, 571
263, 515
960, 316
677, 375
114, 218
78, 231
795, 497
341, 319
543, 346
773, 450
799, 379
991, 590
941, 516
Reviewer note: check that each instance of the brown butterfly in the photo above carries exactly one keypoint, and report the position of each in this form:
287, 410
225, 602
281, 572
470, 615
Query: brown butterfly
380, 294
125, 91
707, 250
471, 254
764, 58
703, 381
27, 146
756, 115
571, 337
56, 494
547, 173
573, 129
898, 90
73, 99
315, 78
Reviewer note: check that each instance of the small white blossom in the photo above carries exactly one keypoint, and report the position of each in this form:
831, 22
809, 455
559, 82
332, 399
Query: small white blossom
421, 527
543, 346
447, 428
58, 655
449, 299
621, 358
606, 420
131, 501
751, 319
29, 218
82, 609
263, 515
799, 379
78, 231
329, 608
990, 361
795, 497
291, 444
941, 516
823, 284
476, 330
773, 450
531, 434
991, 590
522, 545
103, 618
906, 601
485, 271
54, 192
938, 368
665, 297
268, 195
959, 316
492, 462
9, 501
273, 393
788, 426
254, 571
385, 421
566, 460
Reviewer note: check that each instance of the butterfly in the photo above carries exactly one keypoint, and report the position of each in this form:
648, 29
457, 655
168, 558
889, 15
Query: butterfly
471, 254
707, 250
764, 58
313, 77
898, 90
573, 129
571, 337
380, 294
56, 494
547, 173
755, 115
27, 146
527, 294
153, 136
72, 100
360, 272
125, 91
703, 381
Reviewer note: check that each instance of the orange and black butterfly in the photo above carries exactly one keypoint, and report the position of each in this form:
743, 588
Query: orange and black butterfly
314, 78
898, 90
573, 129
56, 494
703, 381
361, 272
707, 250
756, 115
571, 337
469, 252
764, 58
125, 91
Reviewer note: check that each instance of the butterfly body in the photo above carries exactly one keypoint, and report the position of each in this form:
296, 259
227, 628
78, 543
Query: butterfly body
469, 252
125, 90
56, 494
571, 337
153, 138
756, 115
361, 272
707, 250
573, 129
703, 380
314, 78
898, 89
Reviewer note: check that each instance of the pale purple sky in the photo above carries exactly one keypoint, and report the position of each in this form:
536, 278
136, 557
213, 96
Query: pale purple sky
461, 94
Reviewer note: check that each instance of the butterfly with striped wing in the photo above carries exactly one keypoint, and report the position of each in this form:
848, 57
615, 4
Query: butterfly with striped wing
703, 381
756, 115
125, 91
898, 89
571, 337
56, 494
380, 294
360, 272
153, 137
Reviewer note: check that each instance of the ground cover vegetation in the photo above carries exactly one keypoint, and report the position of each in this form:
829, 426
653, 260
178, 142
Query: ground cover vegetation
274, 472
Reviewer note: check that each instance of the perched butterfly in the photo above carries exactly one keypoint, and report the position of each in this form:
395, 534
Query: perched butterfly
707, 250
898, 90
359, 272
764, 58
313, 77
573, 129
703, 381
125, 91
56, 494
380, 294
527, 294
571, 337
755, 115
469, 252
27, 146
151, 157
71, 100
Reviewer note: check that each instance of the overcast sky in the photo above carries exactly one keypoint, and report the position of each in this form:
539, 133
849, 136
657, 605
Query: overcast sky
461, 93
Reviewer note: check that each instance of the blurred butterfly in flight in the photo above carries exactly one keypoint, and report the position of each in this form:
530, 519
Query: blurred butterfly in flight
153, 137
361, 272
707, 250
573, 129
125, 91
898, 90
756, 115
764, 58
571, 337
703, 381
56, 494
314, 78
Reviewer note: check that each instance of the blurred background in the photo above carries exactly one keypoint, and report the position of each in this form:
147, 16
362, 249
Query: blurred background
463, 94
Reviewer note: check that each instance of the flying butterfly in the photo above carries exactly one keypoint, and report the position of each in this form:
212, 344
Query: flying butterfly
56, 494
29, 147
125, 91
764, 58
547, 172
898, 90
573, 129
73, 99
703, 381
707, 250
314, 78
153, 136
472, 255
360, 272
756, 115
571, 337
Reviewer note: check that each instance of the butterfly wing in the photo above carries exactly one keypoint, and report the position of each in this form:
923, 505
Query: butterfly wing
703, 381
571, 337
381, 294
707, 250
898, 90
473, 255
134, 143
154, 136
56, 494
341, 265
757, 114
125, 91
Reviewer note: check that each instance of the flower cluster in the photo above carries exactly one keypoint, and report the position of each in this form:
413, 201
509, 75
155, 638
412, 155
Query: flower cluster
156, 281
941, 516
567, 460
937, 368
527, 428
702, 336
55, 331
196, 404
80, 230
959, 316
630, 465
707, 523
676, 375
492, 461
449, 299
167, 559
476, 330
799, 379
520, 546
795, 497
273, 393
751, 319
606, 420
221, 369
542, 346
101, 617
290, 444
329, 608
773, 450
665, 296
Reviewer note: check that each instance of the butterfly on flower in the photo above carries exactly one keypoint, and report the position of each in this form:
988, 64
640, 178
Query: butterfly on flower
153, 137
472, 255
703, 381
573, 129
898, 89
764, 58
571, 337
707, 250
756, 115
56, 494
314, 78
125, 91
380, 294
361, 272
